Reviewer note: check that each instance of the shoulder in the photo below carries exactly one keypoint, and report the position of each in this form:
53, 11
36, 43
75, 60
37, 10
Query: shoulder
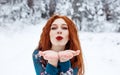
36, 57
35, 52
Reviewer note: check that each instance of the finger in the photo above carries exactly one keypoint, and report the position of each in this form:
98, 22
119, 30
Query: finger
69, 56
77, 52
46, 57
73, 52
41, 53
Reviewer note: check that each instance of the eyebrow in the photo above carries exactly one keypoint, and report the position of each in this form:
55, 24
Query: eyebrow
53, 24
64, 24
56, 24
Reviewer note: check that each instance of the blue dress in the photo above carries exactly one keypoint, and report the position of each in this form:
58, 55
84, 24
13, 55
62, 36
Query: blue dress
64, 68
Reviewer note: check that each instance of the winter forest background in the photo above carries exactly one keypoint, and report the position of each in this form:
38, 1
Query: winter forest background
89, 15
98, 21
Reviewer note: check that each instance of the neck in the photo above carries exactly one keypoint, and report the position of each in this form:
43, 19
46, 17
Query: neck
58, 48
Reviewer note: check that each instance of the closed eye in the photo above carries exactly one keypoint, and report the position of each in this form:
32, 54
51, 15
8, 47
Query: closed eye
53, 28
65, 28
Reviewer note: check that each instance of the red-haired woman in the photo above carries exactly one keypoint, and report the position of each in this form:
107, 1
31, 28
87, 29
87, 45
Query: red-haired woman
59, 51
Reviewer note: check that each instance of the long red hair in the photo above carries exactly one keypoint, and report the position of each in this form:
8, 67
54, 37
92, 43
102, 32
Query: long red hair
73, 43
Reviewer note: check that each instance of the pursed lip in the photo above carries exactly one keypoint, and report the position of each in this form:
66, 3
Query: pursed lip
59, 37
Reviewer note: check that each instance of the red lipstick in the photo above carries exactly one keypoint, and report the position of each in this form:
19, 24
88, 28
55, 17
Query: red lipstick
59, 37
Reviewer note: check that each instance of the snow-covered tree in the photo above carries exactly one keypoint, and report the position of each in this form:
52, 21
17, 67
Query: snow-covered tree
77, 13
88, 15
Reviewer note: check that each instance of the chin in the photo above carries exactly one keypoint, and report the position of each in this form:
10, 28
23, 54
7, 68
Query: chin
60, 44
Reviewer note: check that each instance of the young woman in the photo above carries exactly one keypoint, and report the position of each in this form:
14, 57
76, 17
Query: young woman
59, 51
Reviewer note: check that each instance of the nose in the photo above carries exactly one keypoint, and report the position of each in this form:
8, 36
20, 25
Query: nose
59, 32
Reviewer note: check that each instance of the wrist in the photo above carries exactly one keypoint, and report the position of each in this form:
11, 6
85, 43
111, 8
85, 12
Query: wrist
64, 66
54, 63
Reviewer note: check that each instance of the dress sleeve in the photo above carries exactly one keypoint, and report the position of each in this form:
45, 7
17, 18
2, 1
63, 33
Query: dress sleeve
39, 68
66, 69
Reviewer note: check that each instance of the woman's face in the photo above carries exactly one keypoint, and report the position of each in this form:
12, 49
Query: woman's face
59, 34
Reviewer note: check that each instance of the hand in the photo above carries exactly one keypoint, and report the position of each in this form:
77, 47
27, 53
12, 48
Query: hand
67, 55
51, 56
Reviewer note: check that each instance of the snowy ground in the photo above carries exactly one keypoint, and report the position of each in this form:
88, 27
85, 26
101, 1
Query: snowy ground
101, 52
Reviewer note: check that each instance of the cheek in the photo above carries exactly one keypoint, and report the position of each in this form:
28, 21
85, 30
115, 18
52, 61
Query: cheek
51, 34
67, 35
